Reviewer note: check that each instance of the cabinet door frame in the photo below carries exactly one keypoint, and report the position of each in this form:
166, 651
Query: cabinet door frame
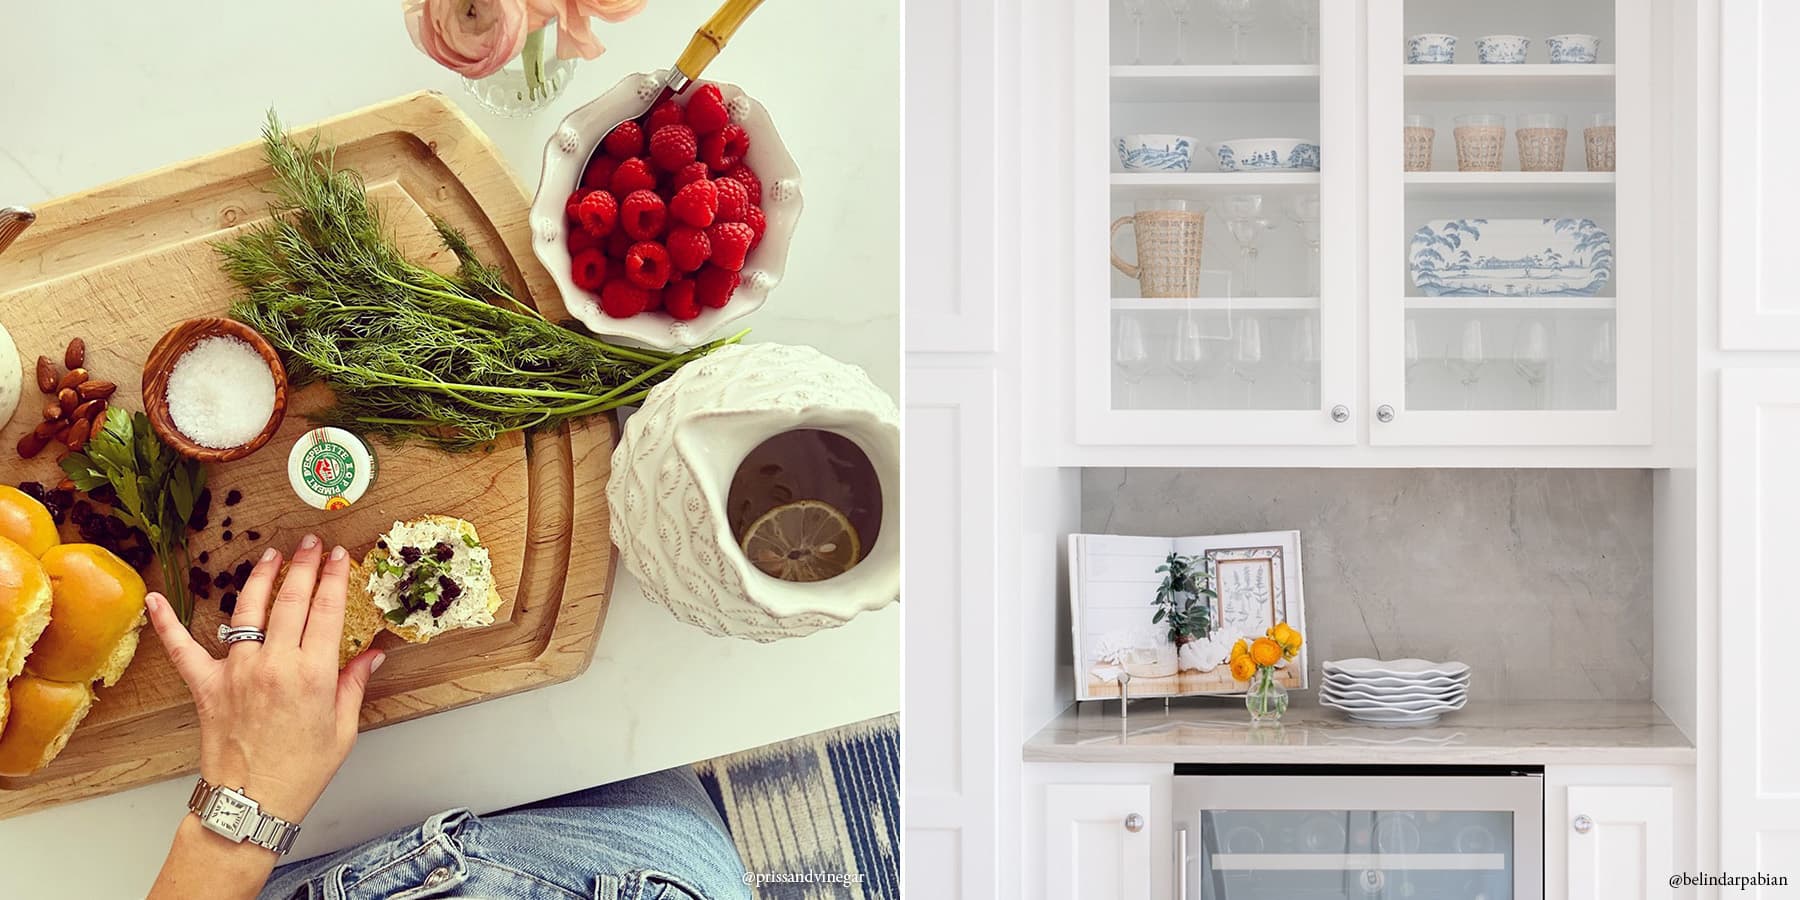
1340, 126
1072, 811
1753, 139
1632, 421
1590, 876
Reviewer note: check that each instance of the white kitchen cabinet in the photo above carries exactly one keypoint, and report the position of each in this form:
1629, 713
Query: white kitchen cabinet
1620, 841
1098, 841
1758, 309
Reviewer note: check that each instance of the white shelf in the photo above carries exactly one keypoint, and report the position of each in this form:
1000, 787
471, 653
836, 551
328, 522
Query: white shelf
1512, 304
1487, 184
1138, 184
1339, 862
1213, 304
1190, 84
1527, 82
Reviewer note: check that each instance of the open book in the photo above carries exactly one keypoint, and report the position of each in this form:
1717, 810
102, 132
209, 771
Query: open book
1112, 587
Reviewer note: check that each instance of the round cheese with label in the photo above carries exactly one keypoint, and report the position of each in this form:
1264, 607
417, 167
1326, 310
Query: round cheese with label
330, 468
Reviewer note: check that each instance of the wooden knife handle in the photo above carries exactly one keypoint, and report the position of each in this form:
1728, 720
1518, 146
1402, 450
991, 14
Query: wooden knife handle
711, 37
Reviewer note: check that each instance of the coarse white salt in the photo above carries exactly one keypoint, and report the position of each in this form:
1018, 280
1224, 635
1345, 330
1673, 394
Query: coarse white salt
221, 392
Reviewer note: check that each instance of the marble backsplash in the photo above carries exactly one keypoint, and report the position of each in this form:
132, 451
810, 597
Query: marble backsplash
1538, 578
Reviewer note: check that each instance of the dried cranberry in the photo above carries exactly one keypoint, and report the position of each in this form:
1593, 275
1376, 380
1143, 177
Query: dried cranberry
104, 494
252, 535
448, 588
241, 574
442, 552
233, 496
202, 503
382, 544
440, 607
225, 522
139, 557
204, 556
410, 555
226, 535
34, 490
222, 579
228, 602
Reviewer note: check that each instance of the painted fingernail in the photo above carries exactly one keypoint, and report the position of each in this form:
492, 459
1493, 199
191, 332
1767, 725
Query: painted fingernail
153, 601
268, 554
375, 663
309, 542
337, 553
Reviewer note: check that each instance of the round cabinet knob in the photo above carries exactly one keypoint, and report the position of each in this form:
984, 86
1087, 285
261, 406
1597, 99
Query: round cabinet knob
1384, 413
1583, 824
1340, 414
1134, 823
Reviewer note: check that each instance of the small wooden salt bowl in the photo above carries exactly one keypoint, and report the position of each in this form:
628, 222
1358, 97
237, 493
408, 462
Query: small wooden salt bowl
161, 362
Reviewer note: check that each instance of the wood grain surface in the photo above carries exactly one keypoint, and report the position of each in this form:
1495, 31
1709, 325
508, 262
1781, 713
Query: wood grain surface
120, 264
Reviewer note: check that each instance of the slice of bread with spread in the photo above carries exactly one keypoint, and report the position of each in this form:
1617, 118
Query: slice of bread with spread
429, 576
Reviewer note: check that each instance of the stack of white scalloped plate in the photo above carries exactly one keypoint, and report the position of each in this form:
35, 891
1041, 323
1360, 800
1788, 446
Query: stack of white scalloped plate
1394, 691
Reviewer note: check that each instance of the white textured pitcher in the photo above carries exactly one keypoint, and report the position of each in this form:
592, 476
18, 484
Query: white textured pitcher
673, 469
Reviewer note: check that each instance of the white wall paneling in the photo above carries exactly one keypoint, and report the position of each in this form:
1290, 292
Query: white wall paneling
1758, 180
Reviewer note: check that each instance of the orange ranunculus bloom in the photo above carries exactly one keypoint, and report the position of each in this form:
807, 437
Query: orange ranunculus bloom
1242, 668
1240, 649
1265, 652
1289, 639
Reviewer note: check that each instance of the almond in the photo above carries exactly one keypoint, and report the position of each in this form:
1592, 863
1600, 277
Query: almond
99, 424
67, 484
72, 378
67, 399
46, 375
61, 435
85, 409
96, 390
31, 445
76, 354
53, 411
78, 434
47, 428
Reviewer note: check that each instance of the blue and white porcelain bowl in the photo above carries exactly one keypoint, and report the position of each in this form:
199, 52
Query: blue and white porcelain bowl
1265, 154
1156, 152
1573, 48
1431, 49
1508, 49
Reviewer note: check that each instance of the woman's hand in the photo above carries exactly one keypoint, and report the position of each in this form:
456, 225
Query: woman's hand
276, 718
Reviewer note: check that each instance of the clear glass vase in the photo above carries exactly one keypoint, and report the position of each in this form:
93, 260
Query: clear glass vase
1267, 698
529, 82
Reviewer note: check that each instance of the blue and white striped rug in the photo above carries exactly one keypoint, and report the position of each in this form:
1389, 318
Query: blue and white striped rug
825, 804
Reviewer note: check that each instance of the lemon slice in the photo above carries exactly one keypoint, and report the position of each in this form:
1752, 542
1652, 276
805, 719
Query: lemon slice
807, 540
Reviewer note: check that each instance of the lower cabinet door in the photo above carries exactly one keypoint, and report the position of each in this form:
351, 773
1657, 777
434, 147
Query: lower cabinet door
1098, 841
1621, 841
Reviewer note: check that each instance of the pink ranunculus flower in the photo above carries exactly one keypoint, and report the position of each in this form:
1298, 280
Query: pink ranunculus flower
574, 32
471, 37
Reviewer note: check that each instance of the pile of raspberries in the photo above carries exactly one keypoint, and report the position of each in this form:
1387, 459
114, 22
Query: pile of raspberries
667, 212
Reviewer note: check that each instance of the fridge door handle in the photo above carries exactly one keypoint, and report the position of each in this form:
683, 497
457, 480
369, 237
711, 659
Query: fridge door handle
1181, 856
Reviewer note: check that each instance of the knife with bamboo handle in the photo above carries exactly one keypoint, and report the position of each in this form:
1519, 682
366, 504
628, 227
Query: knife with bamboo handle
13, 221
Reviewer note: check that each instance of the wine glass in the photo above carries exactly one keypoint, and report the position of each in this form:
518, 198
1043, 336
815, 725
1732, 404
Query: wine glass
1243, 218
1179, 9
1247, 355
1413, 358
1304, 210
1304, 14
1135, 9
1239, 14
1131, 355
1191, 357
1531, 357
1470, 356
1303, 353
1602, 355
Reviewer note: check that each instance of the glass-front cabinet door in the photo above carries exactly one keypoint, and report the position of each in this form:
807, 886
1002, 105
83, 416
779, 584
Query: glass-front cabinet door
1510, 294
1217, 155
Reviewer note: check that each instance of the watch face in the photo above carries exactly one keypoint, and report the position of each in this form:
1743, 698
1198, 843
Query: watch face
227, 812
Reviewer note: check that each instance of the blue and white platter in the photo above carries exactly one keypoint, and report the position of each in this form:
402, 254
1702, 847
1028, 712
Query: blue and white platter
1551, 257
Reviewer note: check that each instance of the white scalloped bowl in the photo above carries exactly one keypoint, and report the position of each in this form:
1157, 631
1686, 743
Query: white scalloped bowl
567, 153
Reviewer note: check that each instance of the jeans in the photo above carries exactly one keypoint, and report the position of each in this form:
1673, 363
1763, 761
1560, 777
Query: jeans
656, 837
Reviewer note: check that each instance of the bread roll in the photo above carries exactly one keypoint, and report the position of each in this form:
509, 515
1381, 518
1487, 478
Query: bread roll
25, 521
24, 605
97, 607
44, 714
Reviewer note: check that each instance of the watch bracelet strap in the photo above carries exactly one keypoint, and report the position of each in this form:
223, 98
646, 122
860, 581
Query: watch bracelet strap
270, 833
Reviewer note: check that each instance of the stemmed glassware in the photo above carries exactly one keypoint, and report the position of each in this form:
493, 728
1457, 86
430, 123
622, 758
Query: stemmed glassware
1179, 9
1304, 14
1131, 355
1470, 356
1243, 218
1247, 355
1304, 210
1191, 358
1531, 357
1602, 356
1413, 357
1304, 354
1135, 9
1239, 14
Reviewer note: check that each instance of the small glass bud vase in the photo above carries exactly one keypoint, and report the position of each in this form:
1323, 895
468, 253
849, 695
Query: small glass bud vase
1267, 698
526, 84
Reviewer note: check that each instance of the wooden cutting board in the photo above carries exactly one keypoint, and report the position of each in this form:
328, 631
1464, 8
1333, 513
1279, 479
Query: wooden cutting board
121, 264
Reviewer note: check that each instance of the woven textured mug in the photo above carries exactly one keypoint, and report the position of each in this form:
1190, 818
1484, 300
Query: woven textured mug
1168, 234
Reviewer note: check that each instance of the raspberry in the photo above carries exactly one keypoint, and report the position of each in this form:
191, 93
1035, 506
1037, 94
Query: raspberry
695, 204
621, 299
679, 300
733, 199
647, 265
730, 243
631, 175
597, 212
725, 148
643, 215
673, 146
706, 112
713, 286
657, 298
617, 243
758, 223
589, 270
625, 141
689, 248
742, 174
688, 174
667, 112
573, 201
599, 173
580, 239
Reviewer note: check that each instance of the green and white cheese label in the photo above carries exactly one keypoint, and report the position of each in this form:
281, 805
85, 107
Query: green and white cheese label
330, 468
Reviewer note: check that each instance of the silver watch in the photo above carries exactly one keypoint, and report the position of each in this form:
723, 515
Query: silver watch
236, 817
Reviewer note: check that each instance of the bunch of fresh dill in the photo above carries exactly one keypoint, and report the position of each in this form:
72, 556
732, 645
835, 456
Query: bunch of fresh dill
412, 354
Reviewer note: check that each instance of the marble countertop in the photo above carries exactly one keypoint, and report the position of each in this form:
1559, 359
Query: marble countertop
182, 80
1217, 730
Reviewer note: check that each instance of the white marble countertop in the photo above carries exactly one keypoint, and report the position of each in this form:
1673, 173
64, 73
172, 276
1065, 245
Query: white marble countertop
1209, 730
142, 86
